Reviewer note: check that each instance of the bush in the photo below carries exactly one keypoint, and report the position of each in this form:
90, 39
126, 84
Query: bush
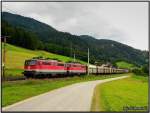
137, 71
143, 71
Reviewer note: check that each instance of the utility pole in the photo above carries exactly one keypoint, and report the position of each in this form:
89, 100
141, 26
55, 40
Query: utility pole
4, 57
88, 62
71, 49
74, 57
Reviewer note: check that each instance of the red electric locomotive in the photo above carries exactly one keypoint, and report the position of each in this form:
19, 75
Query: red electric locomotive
76, 68
43, 67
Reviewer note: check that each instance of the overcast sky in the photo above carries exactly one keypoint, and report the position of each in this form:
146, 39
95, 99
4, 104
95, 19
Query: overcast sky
125, 22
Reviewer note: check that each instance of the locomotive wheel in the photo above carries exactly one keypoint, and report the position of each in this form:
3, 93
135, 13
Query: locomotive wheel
28, 76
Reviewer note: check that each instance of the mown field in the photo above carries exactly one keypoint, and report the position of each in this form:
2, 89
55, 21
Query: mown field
15, 57
14, 91
123, 64
116, 95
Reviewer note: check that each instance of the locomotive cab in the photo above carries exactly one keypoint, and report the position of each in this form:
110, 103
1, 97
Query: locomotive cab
29, 63
30, 67
43, 67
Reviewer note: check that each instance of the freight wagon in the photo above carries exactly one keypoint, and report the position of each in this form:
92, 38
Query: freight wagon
105, 70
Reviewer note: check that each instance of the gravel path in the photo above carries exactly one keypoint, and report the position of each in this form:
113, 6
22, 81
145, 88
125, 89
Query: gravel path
76, 97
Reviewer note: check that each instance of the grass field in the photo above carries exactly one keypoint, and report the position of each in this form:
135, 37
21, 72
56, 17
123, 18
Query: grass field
123, 64
115, 95
15, 57
14, 91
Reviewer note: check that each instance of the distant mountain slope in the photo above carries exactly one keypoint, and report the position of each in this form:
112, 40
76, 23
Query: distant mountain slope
30, 24
101, 50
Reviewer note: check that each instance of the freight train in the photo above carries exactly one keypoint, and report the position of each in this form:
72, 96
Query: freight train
45, 67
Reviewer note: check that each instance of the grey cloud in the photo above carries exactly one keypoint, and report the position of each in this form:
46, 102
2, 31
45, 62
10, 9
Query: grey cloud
116, 21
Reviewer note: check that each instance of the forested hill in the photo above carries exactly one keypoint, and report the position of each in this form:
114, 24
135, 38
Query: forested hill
32, 34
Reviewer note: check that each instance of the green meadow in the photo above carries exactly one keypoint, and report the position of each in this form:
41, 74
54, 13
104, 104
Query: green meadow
118, 94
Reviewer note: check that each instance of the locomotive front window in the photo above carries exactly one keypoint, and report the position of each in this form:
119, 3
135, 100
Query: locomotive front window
46, 63
30, 62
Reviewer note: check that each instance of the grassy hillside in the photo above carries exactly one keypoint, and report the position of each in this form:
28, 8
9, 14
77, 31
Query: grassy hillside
123, 64
15, 57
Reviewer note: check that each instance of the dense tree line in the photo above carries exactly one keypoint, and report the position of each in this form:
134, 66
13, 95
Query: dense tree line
20, 37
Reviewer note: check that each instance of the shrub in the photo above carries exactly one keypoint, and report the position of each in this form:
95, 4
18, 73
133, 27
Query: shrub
137, 71
143, 71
